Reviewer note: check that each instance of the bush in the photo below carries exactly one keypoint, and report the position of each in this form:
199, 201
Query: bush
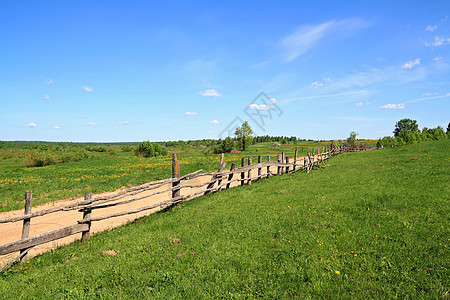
148, 149
39, 158
127, 148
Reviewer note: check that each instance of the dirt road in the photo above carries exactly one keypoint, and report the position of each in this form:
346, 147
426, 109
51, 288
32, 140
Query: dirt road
10, 232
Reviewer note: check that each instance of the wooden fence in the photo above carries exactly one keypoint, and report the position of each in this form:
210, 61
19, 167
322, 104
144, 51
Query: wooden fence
219, 180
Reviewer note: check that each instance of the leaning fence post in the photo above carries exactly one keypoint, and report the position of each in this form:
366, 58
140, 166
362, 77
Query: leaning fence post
86, 215
175, 174
287, 161
27, 222
233, 165
268, 167
242, 173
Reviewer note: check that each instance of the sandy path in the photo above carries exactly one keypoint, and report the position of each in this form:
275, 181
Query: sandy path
10, 232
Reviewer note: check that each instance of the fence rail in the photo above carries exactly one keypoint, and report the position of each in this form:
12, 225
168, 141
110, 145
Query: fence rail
219, 180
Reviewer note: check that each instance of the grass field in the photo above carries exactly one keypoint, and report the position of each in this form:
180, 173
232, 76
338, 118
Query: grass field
107, 171
372, 224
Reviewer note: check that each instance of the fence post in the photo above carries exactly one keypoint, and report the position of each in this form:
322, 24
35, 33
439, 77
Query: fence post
279, 168
220, 176
86, 215
26, 222
175, 174
250, 161
309, 163
287, 161
233, 165
242, 173
283, 157
268, 167
295, 159
259, 169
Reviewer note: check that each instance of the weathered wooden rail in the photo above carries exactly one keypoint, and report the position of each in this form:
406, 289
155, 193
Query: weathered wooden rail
219, 180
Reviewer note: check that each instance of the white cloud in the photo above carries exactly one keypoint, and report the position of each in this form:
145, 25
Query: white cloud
259, 107
87, 88
124, 123
316, 84
46, 97
273, 101
31, 125
190, 113
308, 36
439, 41
92, 124
359, 104
57, 127
431, 28
393, 106
213, 122
327, 80
48, 81
411, 64
210, 93
437, 58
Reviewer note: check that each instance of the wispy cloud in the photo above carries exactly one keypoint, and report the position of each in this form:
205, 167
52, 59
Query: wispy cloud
210, 93
91, 124
190, 113
411, 64
437, 58
124, 123
316, 84
213, 122
328, 80
393, 106
438, 41
57, 127
308, 36
359, 104
428, 96
358, 119
31, 125
87, 88
255, 106
48, 81
46, 97
431, 28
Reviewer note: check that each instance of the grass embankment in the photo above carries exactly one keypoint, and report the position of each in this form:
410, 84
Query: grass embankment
108, 171
371, 224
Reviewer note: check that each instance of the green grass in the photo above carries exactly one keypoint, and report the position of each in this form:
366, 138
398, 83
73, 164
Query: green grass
105, 172
372, 224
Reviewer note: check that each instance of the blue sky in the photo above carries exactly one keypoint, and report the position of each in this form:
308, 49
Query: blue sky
142, 70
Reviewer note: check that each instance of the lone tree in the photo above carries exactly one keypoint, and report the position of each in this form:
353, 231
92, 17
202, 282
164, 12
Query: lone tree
405, 125
351, 140
244, 135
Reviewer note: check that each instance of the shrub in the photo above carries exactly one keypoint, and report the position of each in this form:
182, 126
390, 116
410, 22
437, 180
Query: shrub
39, 158
148, 149
127, 148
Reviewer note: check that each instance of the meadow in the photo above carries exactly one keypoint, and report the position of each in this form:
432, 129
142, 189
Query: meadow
371, 224
109, 169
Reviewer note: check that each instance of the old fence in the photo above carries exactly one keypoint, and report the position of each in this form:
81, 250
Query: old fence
172, 188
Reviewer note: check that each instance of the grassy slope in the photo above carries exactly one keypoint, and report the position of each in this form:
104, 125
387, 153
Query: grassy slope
372, 224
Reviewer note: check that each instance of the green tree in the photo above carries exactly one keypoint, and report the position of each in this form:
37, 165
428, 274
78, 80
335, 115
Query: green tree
351, 140
244, 135
405, 125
